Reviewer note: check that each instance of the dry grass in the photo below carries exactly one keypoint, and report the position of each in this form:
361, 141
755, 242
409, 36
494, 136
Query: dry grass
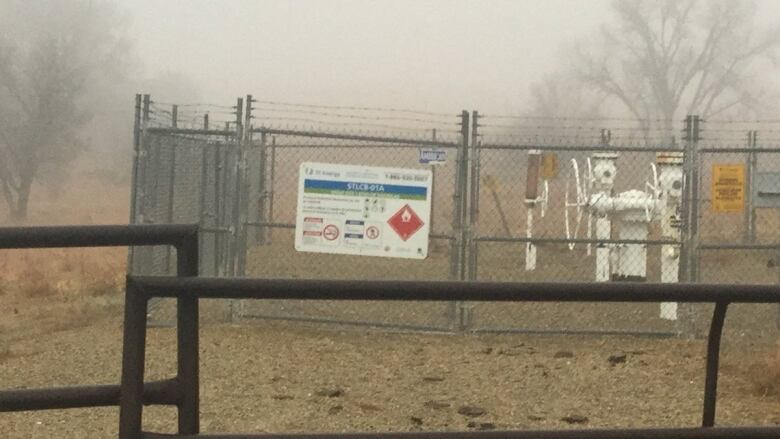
62, 273
765, 375
45, 291
73, 272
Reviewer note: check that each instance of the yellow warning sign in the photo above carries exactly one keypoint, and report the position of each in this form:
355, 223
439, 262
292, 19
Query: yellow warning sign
728, 188
549, 165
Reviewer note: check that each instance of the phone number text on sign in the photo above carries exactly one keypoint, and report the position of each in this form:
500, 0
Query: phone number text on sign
362, 210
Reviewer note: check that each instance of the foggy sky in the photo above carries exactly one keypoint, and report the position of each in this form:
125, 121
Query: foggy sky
437, 55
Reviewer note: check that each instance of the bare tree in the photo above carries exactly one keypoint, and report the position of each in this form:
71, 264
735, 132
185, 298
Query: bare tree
53, 57
562, 109
661, 59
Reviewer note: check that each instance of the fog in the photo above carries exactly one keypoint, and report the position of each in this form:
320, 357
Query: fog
437, 55
441, 55
497, 57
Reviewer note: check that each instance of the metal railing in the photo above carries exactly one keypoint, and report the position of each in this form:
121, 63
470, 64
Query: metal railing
183, 390
180, 391
140, 290
656, 433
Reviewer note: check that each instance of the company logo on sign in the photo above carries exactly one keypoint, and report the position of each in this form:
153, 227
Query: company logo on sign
405, 222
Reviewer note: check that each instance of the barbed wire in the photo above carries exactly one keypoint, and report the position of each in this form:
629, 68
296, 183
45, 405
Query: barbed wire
744, 121
170, 104
567, 118
565, 127
352, 124
353, 116
353, 108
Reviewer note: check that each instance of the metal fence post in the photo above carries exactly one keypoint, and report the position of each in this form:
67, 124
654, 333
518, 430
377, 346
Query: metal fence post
458, 196
261, 192
690, 213
134, 176
233, 171
750, 213
473, 196
133, 354
143, 158
169, 207
242, 191
695, 201
458, 254
271, 193
187, 315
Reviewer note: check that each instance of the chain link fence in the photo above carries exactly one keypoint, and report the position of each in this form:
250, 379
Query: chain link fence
270, 252
518, 199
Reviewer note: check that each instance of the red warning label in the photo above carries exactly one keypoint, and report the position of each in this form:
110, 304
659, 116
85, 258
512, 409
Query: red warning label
405, 222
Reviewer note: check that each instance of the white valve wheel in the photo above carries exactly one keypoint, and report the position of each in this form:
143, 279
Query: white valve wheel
574, 203
653, 193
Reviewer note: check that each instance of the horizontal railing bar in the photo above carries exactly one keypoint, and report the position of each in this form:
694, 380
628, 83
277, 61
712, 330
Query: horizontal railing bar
94, 236
59, 398
192, 131
648, 433
741, 150
574, 332
342, 322
214, 229
575, 240
282, 147
272, 225
738, 246
314, 289
399, 142
583, 148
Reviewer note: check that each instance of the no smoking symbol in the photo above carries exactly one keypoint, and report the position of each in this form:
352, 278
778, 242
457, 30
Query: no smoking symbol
331, 232
372, 232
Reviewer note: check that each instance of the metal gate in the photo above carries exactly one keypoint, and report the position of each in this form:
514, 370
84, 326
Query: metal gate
273, 160
239, 183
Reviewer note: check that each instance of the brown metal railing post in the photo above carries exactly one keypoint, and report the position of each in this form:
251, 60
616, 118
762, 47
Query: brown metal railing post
133, 355
188, 340
713, 357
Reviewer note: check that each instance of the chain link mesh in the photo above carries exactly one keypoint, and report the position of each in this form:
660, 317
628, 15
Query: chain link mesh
638, 204
274, 162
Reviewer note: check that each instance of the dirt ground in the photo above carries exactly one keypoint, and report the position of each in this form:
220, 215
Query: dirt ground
284, 377
60, 324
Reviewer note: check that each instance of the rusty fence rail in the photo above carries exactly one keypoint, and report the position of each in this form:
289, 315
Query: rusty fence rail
657, 433
140, 290
180, 391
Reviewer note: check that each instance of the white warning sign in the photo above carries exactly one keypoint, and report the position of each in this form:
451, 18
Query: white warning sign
361, 210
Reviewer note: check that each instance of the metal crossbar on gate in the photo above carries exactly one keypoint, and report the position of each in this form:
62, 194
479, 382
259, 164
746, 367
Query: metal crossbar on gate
140, 290
183, 390
180, 391
654, 433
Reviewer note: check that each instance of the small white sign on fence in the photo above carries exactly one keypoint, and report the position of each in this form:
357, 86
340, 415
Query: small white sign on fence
362, 210
433, 156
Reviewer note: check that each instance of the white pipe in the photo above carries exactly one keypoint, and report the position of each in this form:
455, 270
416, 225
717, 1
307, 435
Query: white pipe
626, 201
530, 249
603, 231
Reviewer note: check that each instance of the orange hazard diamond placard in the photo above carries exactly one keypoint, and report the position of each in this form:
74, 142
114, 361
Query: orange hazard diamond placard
405, 222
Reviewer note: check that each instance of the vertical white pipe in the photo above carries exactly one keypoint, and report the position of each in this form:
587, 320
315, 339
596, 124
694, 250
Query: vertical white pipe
603, 231
530, 249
